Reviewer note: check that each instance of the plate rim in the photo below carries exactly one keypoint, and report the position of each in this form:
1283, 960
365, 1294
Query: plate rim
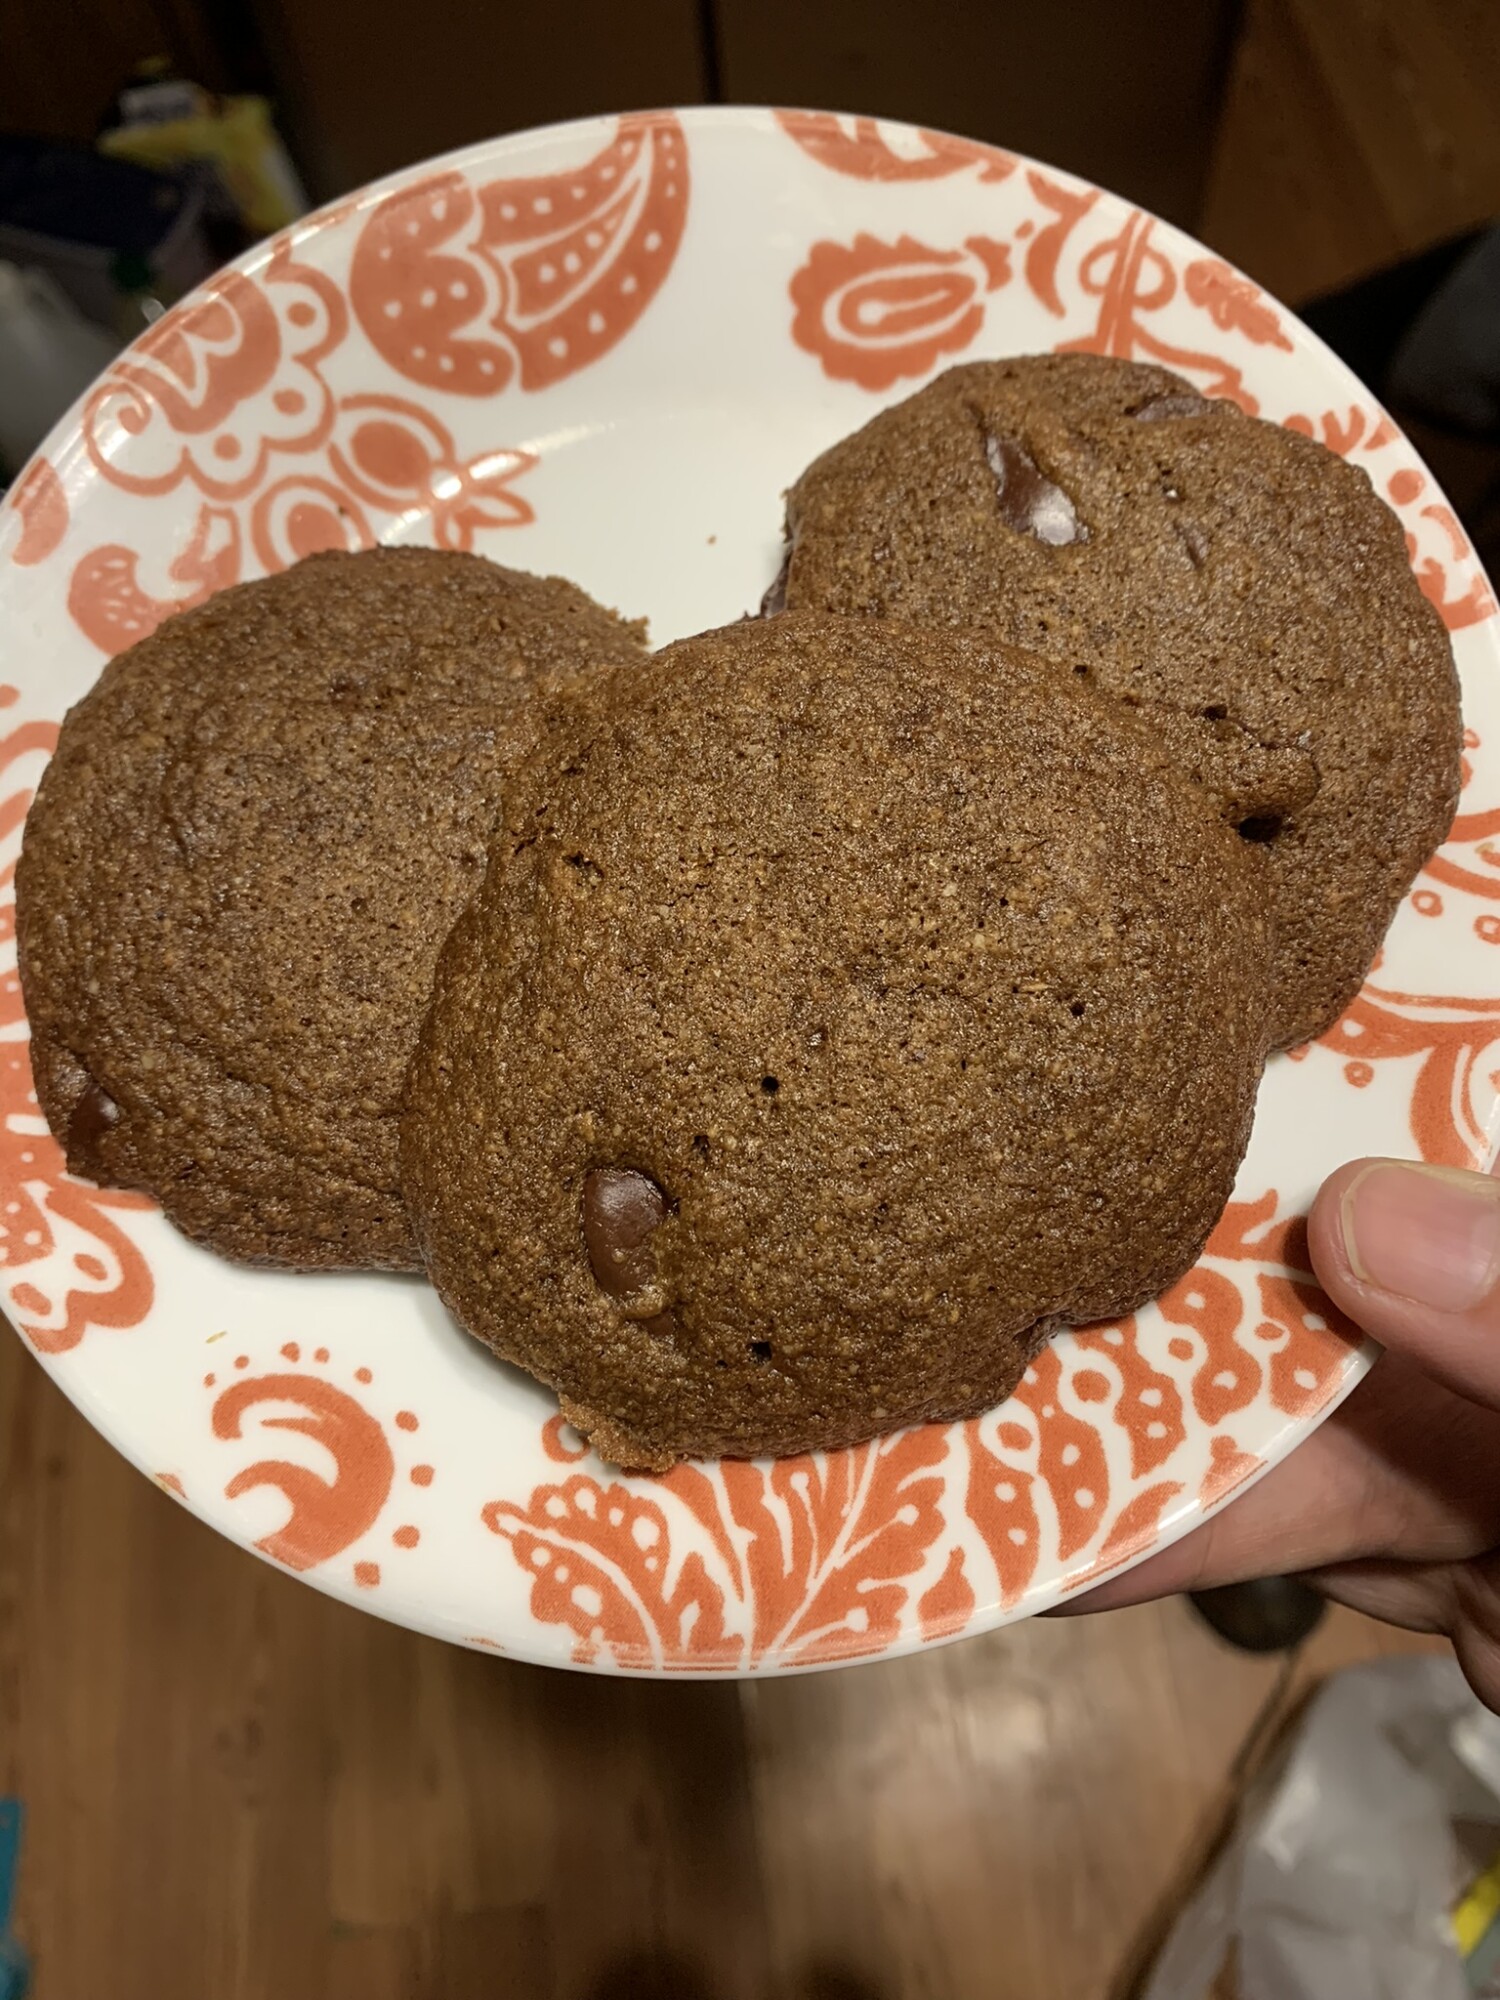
754, 123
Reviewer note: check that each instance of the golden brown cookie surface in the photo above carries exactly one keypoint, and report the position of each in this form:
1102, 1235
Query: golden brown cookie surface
846, 1008
1240, 581
254, 836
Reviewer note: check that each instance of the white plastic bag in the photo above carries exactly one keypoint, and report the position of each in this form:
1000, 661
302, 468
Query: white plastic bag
1340, 1877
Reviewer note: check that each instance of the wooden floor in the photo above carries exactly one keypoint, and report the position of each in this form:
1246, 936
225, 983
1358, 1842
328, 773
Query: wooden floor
240, 1790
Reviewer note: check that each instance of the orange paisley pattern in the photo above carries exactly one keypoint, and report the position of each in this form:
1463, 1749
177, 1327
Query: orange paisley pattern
458, 287
1451, 1041
385, 457
1451, 1038
1044, 253
327, 1515
82, 1269
877, 312
305, 514
832, 1539
1000, 1500
803, 1560
1233, 303
874, 312
466, 289
858, 147
397, 458
1132, 1532
1229, 1376
113, 608
1440, 551
1306, 1339
737, 1565
39, 499
1228, 1468
1468, 605
1469, 859
1134, 279
1071, 1460
221, 385
1148, 1407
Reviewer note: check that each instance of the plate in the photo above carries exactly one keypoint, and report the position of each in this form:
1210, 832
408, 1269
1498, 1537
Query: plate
605, 349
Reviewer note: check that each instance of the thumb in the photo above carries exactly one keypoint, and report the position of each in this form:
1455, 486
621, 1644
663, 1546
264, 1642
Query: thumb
1412, 1253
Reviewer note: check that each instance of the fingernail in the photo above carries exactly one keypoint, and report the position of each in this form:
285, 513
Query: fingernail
1430, 1234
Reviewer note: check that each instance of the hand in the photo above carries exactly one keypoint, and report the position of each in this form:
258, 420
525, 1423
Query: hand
1393, 1506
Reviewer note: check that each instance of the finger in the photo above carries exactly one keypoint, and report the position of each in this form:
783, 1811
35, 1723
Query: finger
1403, 1470
1416, 1596
1476, 1629
1412, 1253
1299, 1516
1459, 1599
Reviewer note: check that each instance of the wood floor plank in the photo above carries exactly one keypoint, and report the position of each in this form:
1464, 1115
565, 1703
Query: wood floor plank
1001, 1810
239, 1788
1010, 1816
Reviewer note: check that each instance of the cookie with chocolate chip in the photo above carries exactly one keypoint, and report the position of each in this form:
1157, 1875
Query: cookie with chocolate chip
1243, 584
846, 1008
243, 858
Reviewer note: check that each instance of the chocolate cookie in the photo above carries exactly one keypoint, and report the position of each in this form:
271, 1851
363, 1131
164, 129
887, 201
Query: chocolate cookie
1240, 581
846, 1008
254, 836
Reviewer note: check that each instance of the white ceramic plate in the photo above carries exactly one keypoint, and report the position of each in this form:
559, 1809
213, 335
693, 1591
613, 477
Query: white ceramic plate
605, 349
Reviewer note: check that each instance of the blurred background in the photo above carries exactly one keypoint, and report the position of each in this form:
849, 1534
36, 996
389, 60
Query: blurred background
1313, 142
236, 1788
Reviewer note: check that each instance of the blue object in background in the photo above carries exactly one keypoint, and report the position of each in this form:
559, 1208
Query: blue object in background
13, 1978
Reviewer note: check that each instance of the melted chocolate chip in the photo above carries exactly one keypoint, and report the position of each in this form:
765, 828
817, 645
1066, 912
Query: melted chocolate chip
774, 601
95, 1114
1029, 502
1160, 408
622, 1211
